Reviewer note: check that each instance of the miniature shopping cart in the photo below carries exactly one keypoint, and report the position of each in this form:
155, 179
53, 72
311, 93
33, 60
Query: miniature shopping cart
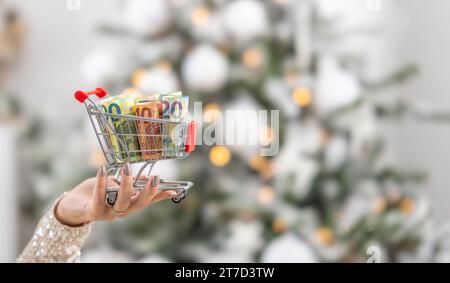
115, 145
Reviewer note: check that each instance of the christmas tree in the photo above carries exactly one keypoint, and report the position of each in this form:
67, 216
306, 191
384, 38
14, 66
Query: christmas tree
327, 195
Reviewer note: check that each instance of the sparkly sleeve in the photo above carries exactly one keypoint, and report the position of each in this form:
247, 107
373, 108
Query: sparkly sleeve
55, 242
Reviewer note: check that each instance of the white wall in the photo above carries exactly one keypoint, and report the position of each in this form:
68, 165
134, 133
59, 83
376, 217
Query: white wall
56, 40
426, 41
8, 192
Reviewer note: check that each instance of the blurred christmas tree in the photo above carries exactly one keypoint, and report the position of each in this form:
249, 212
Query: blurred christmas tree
328, 195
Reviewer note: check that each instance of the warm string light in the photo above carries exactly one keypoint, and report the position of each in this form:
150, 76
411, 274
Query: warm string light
266, 136
200, 16
257, 162
252, 58
407, 205
279, 225
262, 165
324, 236
265, 195
137, 76
302, 96
164, 65
220, 155
267, 172
211, 112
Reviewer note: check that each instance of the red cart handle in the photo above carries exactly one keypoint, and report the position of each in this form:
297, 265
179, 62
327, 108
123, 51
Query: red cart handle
81, 96
191, 137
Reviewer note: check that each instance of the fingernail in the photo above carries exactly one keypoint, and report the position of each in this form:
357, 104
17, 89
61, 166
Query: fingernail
101, 171
126, 169
155, 181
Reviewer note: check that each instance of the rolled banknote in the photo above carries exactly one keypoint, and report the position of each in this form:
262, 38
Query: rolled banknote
153, 97
125, 129
174, 108
149, 133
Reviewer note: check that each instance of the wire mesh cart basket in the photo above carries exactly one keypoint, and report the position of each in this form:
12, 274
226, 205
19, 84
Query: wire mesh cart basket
139, 140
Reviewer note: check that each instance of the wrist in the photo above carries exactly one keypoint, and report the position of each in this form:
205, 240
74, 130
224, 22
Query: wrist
67, 218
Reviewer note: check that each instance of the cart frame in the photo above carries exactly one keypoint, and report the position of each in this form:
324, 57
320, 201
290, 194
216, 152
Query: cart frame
117, 153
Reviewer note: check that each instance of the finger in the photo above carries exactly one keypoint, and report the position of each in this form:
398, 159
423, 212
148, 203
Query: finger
126, 189
146, 196
163, 195
98, 197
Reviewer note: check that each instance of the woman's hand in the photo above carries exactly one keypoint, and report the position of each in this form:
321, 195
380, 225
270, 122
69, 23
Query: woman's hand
86, 202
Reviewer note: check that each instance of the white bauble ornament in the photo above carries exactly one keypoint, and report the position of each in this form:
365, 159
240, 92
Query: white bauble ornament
245, 20
336, 87
245, 236
288, 248
158, 80
205, 69
145, 17
101, 66
336, 153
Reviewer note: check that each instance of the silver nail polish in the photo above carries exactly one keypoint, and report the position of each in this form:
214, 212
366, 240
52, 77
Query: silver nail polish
101, 171
155, 181
126, 169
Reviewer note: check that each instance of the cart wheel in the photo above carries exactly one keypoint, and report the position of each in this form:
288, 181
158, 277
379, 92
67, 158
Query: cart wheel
177, 199
183, 195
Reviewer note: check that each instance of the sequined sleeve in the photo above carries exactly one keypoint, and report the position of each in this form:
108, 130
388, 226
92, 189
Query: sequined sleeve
55, 242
